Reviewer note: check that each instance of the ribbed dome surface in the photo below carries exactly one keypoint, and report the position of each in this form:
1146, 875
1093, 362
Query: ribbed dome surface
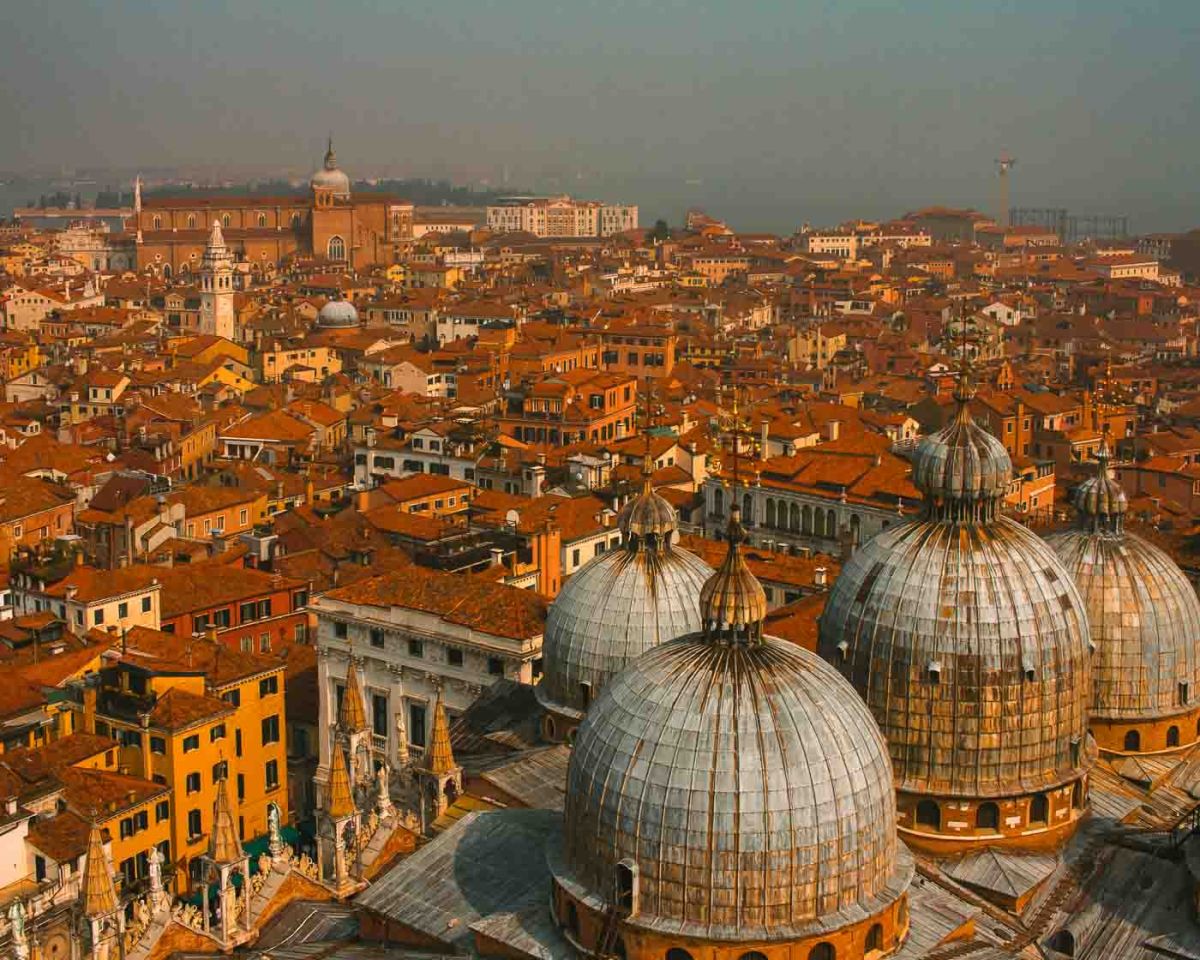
647, 515
749, 785
1100, 499
615, 609
1145, 622
961, 462
969, 642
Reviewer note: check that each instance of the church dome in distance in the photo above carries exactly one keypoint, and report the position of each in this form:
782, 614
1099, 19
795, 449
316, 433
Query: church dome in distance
330, 177
338, 313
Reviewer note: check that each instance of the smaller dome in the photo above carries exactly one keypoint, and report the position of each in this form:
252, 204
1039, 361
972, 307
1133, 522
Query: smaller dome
732, 600
647, 514
329, 177
338, 313
962, 464
1100, 500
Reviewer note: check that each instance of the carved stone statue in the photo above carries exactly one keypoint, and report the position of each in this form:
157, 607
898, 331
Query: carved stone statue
273, 828
383, 799
16, 919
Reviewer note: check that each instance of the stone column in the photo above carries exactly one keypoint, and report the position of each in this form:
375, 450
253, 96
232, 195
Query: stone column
246, 925
399, 752
326, 718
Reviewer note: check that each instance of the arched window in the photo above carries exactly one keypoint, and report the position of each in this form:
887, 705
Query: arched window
1039, 809
626, 887
1063, 942
719, 503
226, 220
875, 937
572, 919
1133, 741
191, 221
157, 222
770, 512
830, 523
337, 248
794, 511
822, 951
929, 814
262, 219
818, 522
806, 524
585, 693
747, 509
167, 271
987, 817
678, 953
295, 219
855, 528
1172, 736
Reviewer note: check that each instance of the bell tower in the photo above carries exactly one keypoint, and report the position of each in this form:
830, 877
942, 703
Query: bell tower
216, 287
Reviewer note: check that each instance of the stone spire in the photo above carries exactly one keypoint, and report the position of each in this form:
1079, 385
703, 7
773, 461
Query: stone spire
341, 801
441, 756
224, 845
99, 892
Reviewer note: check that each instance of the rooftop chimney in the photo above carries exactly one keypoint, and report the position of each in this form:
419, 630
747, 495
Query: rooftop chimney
820, 577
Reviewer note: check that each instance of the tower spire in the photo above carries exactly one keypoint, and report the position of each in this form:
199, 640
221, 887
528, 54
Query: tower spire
441, 755
99, 892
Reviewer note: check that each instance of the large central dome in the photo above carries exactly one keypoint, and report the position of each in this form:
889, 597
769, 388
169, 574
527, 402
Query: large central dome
731, 789
330, 177
968, 640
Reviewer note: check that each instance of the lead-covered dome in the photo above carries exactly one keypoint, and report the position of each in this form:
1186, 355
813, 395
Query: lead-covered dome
965, 635
618, 606
749, 786
744, 785
329, 177
1143, 611
338, 313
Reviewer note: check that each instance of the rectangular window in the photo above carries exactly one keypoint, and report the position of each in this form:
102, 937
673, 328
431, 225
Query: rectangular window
232, 697
237, 743
339, 630
158, 745
193, 783
243, 517
379, 715
191, 743
195, 826
454, 656
220, 771
264, 643
122, 610
495, 666
416, 724
416, 648
162, 811
270, 729
272, 773
98, 616
377, 637
241, 787
216, 733
268, 686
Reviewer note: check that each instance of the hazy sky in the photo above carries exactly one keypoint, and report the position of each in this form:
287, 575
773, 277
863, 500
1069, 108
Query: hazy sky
783, 110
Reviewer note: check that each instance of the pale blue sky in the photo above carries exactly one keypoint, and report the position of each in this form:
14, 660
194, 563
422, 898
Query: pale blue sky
784, 110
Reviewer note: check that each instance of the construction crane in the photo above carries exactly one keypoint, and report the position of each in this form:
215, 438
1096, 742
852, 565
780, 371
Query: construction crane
1004, 163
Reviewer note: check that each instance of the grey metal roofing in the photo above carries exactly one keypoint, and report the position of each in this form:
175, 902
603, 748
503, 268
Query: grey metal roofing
1145, 622
748, 783
531, 932
486, 863
614, 609
934, 914
1009, 874
308, 921
969, 642
536, 778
